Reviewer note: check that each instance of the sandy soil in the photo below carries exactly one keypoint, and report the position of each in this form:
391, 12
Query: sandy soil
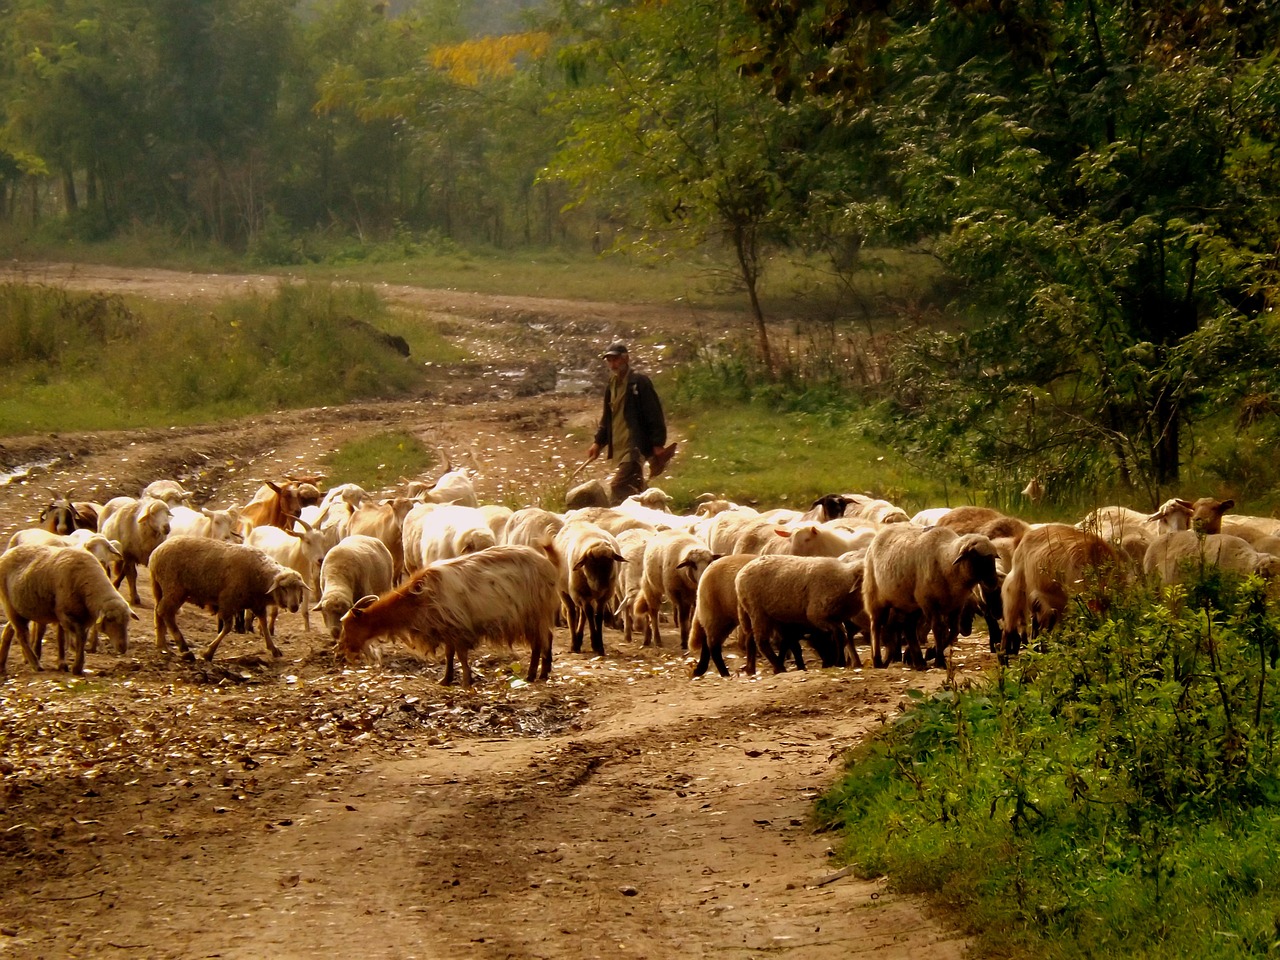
291, 808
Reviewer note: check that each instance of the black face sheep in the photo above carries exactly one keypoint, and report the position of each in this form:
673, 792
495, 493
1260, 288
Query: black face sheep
223, 577
43, 585
716, 614
785, 596
504, 594
357, 567
589, 561
923, 579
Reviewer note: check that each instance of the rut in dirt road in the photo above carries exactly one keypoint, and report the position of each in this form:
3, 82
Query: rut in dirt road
675, 825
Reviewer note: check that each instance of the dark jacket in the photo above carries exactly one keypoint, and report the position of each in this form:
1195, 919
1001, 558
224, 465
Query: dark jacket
643, 413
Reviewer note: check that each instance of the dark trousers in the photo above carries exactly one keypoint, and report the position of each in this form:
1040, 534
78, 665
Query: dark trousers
628, 479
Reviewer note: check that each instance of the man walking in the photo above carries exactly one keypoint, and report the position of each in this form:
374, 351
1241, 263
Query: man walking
632, 427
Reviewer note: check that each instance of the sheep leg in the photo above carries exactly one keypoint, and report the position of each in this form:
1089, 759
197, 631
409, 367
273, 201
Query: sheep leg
684, 614
879, 620
465, 663
267, 631
208, 652
576, 626
595, 615
844, 635
77, 640
11, 630
447, 679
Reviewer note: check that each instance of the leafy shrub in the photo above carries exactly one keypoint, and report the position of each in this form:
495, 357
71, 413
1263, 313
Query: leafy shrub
1114, 794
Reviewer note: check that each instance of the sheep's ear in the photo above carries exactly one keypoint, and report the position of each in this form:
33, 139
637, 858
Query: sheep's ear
1227, 505
132, 615
782, 532
619, 559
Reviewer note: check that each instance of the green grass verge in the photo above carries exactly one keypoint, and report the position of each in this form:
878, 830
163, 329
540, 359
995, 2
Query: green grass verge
381, 460
1117, 795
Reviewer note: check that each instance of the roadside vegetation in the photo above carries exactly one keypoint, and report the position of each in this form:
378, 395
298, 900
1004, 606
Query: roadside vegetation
1116, 794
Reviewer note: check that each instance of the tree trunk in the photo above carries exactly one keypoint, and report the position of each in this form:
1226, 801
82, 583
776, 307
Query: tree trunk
749, 268
69, 197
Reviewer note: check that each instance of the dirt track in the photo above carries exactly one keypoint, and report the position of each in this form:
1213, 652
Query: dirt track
291, 809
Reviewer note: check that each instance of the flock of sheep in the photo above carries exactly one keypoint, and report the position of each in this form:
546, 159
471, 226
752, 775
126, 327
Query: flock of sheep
436, 570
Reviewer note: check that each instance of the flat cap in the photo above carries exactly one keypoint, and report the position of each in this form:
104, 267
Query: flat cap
615, 350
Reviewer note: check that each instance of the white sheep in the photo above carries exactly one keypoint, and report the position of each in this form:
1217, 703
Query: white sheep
46, 584
138, 526
442, 531
1051, 564
104, 551
589, 560
1172, 555
170, 491
920, 579
673, 563
783, 596
607, 518
1250, 528
825, 539
223, 577
716, 614
532, 526
497, 516
301, 550
878, 511
632, 545
205, 522
357, 567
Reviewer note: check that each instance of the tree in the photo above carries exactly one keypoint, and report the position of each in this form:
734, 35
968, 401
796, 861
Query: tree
672, 133
1104, 177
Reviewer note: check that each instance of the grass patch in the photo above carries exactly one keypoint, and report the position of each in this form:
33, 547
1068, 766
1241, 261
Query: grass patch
753, 453
381, 460
90, 361
1116, 795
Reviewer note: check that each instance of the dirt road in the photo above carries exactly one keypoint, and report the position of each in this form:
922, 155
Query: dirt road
257, 808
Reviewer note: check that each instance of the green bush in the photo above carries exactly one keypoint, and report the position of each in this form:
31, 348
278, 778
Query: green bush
1116, 794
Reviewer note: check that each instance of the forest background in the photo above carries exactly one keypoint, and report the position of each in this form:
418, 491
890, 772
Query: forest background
1079, 195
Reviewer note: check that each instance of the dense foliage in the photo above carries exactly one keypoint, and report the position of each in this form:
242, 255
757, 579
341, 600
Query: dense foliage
1118, 793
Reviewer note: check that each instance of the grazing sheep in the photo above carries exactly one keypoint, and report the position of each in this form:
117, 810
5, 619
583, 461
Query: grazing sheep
1051, 564
930, 516
223, 577
673, 562
1173, 554
138, 526
925, 578
653, 498
104, 551
357, 567
504, 594
453, 486
589, 559
352, 494
302, 551
878, 511
610, 519
820, 595
44, 584
825, 539
722, 530
1250, 528
716, 614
